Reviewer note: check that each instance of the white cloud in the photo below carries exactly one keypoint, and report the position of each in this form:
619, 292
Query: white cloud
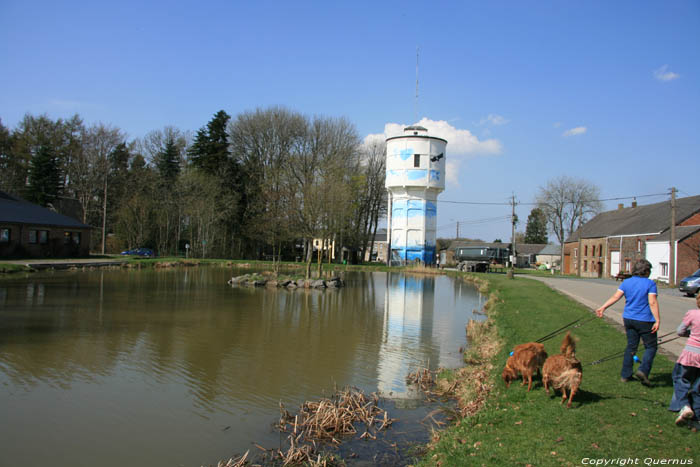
579, 130
461, 143
662, 74
494, 119
452, 171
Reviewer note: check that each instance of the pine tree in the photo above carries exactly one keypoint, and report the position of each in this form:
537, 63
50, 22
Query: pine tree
44, 176
536, 230
168, 162
210, 150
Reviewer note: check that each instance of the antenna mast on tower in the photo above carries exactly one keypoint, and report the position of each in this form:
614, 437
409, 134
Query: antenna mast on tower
416, 104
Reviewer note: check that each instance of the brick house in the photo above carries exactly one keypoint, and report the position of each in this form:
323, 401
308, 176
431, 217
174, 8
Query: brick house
29, 230
611, 242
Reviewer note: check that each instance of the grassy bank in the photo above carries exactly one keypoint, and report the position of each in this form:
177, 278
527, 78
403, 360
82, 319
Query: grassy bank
608, 419
6, 268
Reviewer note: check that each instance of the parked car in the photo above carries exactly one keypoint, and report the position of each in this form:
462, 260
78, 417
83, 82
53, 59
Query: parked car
146, 252
690, 284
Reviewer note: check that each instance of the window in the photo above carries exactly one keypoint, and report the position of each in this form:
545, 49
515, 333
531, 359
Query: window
585, 265
664, 269
639, 245
4, 235
627, 265
416, 160
575, 252
43, 237
600, 250
66, 238
32, 236
76, 238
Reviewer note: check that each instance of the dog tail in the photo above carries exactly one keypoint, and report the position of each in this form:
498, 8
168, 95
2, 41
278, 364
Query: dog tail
570, 378
568, 346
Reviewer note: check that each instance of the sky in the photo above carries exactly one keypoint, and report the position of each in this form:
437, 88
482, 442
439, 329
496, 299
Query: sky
524, 92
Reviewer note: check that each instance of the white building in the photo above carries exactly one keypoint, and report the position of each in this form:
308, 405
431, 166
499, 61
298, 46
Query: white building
415, 176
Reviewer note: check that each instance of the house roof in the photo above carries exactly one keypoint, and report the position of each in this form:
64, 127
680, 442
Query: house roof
647, 219
551, 249
529, 248
17, 211
380, 236
682, 232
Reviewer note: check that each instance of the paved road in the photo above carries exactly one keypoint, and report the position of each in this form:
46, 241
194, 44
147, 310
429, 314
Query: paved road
593, 293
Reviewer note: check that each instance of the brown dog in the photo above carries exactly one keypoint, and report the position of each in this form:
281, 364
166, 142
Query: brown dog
563, 371
526, 360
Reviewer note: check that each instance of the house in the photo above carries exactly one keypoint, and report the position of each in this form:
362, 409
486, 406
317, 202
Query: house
527, 253
29, 230
687, 253
611, 241
378, 247
550, 255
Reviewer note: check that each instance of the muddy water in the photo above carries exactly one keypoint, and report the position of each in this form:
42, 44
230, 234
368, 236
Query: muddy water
167, 368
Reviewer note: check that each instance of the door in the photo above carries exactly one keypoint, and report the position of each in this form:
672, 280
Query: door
614, 263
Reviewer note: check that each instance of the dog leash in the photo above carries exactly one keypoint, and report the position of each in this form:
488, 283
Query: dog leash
635, 358
572, 325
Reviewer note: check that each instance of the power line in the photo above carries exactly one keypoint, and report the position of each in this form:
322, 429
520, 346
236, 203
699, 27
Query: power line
474, 222
508, 203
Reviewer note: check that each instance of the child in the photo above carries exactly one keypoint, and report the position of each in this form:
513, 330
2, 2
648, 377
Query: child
686, 373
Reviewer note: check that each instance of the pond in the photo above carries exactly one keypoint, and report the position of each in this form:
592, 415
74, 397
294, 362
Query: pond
175, 367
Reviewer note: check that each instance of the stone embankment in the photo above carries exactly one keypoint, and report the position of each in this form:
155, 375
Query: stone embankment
255, 280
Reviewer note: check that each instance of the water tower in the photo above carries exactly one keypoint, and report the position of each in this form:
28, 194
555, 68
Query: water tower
415, 176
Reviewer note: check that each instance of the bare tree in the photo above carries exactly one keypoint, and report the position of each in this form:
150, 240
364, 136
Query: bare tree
99, 141
373, 205
567, 204
263, 141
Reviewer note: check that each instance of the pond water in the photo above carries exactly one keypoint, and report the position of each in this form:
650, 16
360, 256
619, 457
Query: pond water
175, 367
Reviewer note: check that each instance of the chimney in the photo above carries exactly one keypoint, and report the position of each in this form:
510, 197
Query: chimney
620, 206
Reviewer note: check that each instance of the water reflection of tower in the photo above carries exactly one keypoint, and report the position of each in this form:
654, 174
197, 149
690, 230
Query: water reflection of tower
407, 336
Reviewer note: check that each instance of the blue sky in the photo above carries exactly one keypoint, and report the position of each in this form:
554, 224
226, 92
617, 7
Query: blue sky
523, 91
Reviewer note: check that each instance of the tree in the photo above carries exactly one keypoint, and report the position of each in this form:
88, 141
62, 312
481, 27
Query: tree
99, 142
263, 142
13, 172
44, 177
536, 229
210, 149
567, 203
165, 150
371, 199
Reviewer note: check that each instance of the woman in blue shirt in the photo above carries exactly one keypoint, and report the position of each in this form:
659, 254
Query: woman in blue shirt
641, 318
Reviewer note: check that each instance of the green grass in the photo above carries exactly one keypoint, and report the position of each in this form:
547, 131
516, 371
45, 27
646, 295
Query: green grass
6, 268
608, 419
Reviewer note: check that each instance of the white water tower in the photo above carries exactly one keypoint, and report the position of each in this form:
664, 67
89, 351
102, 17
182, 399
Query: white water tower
415, 176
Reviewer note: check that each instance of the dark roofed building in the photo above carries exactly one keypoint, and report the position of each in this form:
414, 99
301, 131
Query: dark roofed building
610, 242
29, 230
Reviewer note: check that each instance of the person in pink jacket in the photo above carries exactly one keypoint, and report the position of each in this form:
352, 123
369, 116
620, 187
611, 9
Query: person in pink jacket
686, 374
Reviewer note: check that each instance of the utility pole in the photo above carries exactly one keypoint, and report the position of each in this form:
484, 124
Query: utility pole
672, 242
511, 273
457, 237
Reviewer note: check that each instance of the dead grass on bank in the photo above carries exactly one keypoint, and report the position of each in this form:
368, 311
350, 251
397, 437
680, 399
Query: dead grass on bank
421, 269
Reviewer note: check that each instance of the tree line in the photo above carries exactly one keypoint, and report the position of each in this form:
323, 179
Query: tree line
264, 183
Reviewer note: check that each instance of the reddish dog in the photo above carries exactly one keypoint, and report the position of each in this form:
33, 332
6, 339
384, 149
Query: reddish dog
526, 360
563, 371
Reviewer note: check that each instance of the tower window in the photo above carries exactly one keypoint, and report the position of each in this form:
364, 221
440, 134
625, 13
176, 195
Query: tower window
416, 160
